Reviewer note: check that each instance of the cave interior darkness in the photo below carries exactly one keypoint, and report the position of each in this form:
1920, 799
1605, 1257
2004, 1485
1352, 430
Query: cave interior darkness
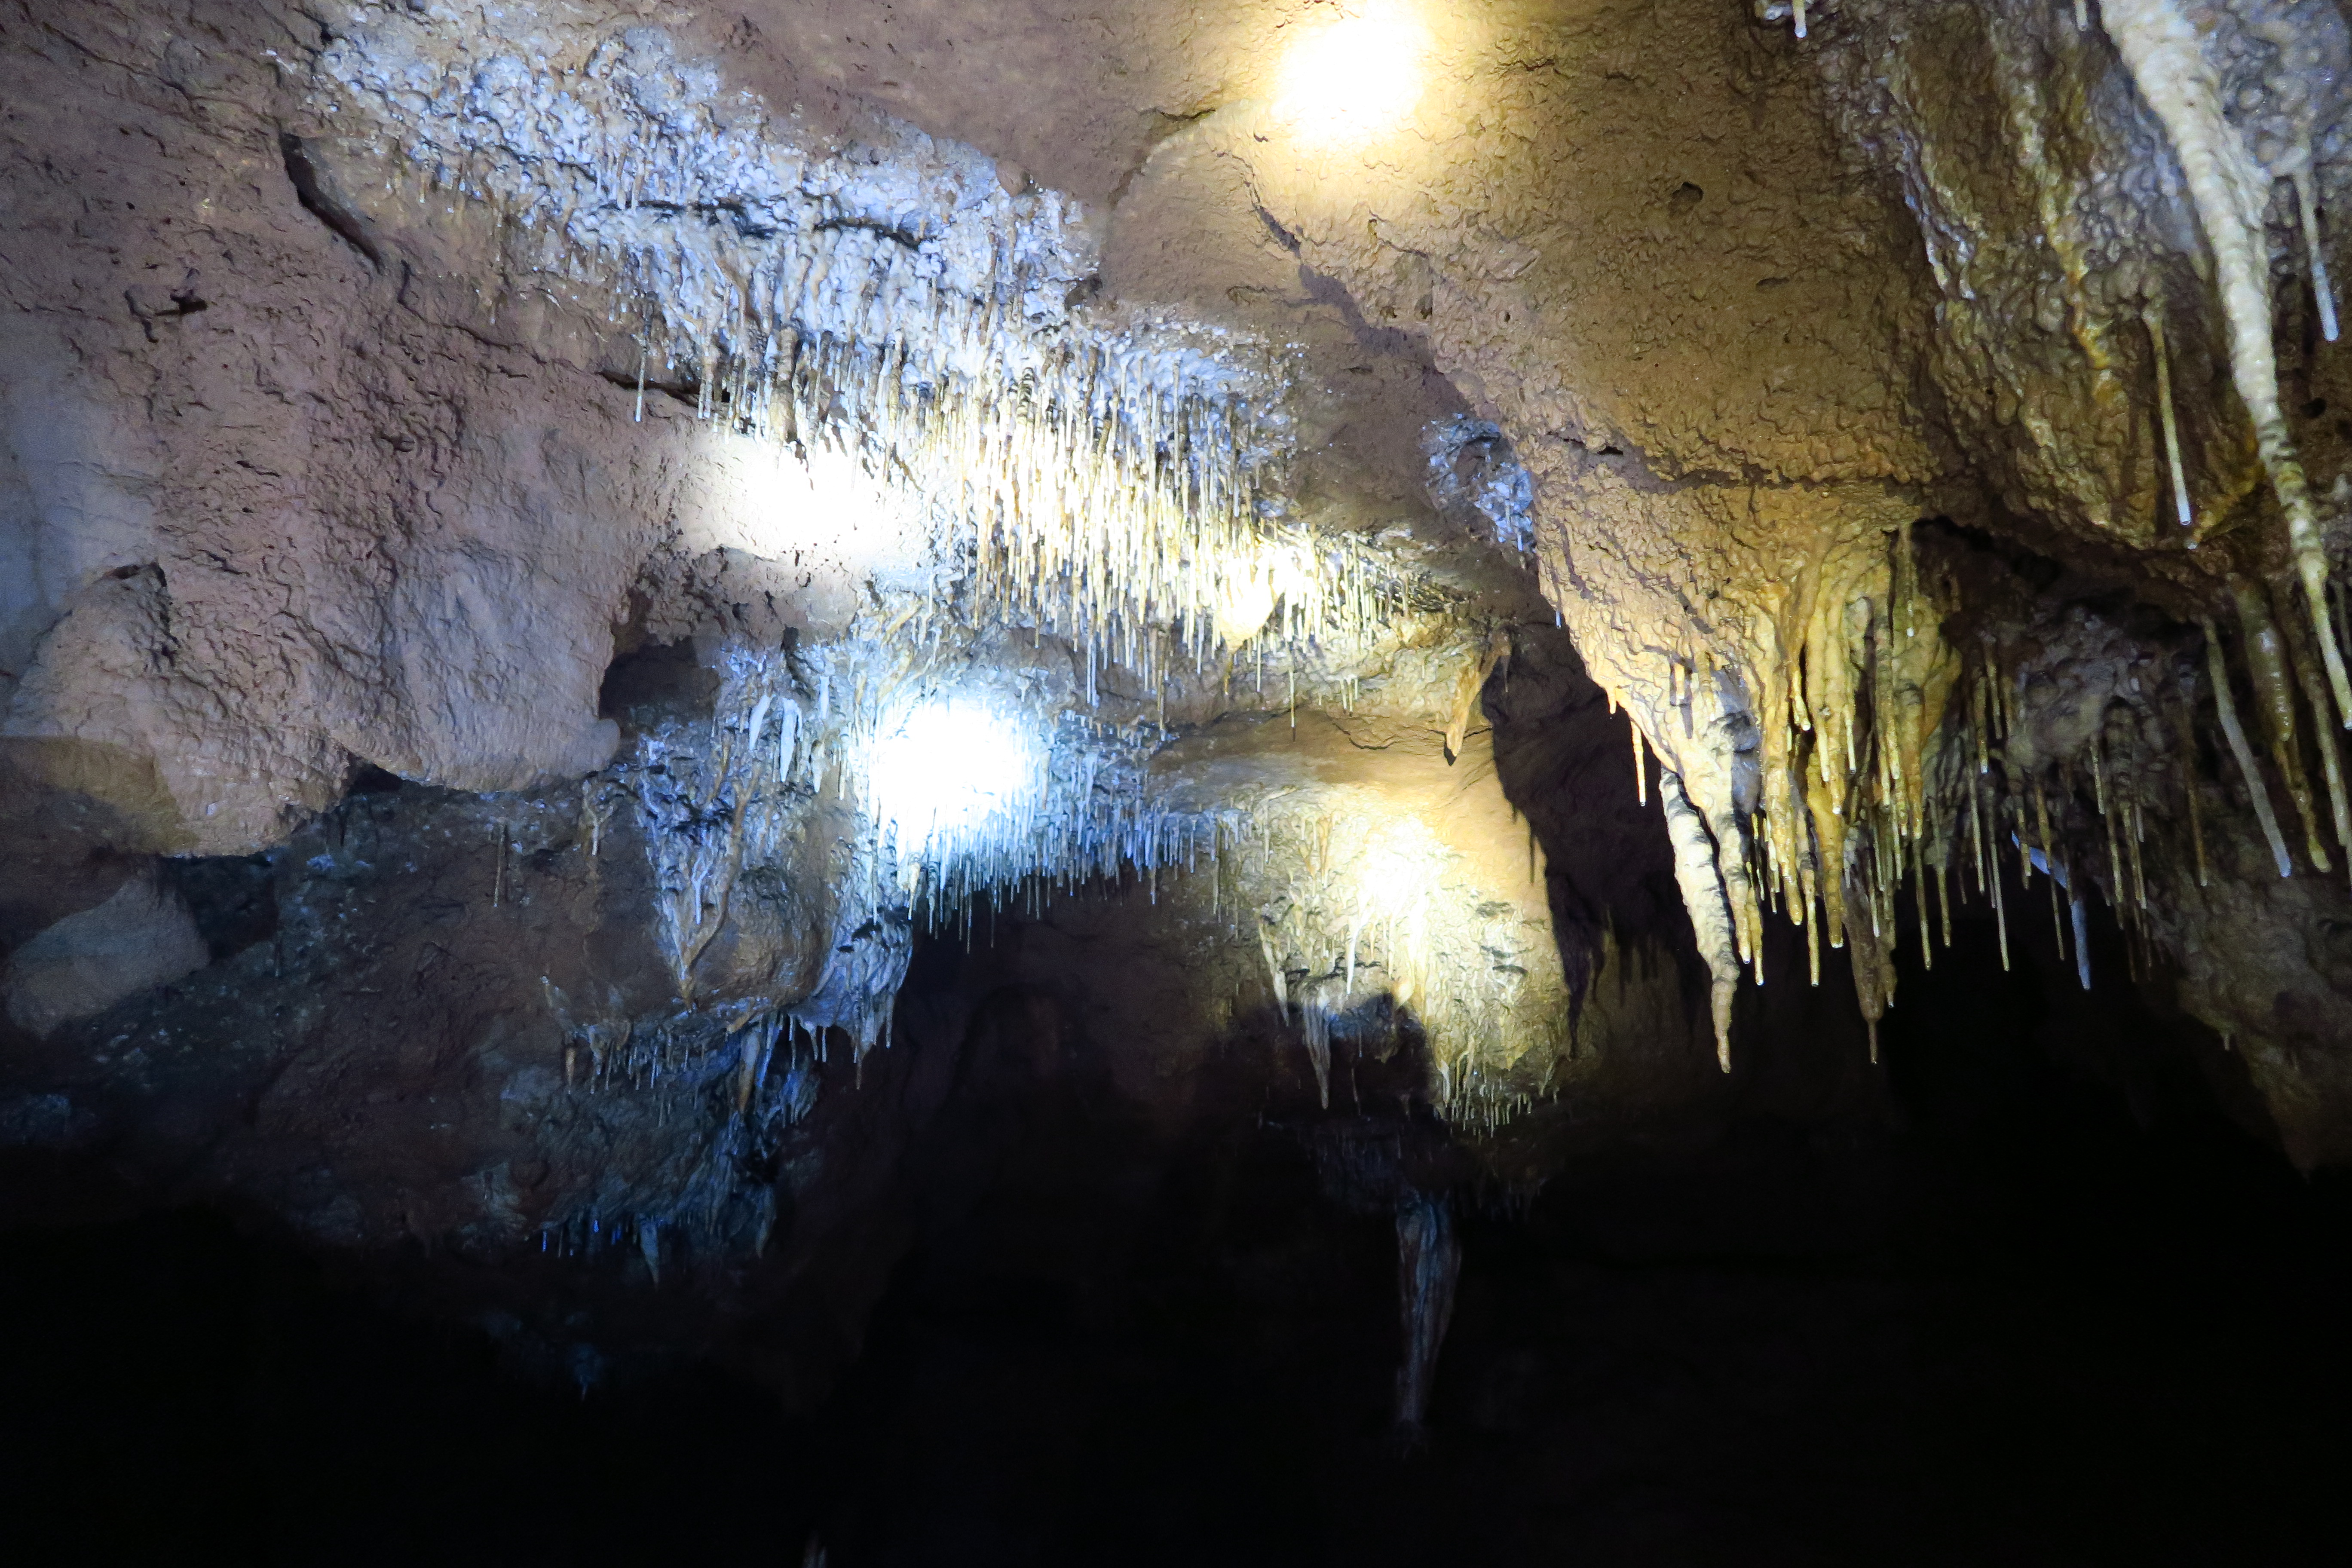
2026, 1294
2049, 1306
1285, 782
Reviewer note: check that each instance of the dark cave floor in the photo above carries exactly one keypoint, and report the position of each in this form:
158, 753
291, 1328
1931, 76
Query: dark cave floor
2040, 1320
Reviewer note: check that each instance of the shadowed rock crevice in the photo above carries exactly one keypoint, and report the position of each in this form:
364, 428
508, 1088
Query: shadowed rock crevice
346, 225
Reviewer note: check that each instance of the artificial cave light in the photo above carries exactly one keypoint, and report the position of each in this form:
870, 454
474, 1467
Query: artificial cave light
948, 766
1257, 581
1243, 608
940, 417
1355, 77
1100, 475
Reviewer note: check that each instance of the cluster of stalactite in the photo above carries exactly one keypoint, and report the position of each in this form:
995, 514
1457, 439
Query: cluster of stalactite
1115, 476
2101, 787
2171, 162
1893, 764
607, 1048
2294, 54
1797, 739
1834, 749
1111, 478
1908, 771
1367, 924
1472, 471
1364, 919
1103, 504
1847, 740
727, 798
742, 1077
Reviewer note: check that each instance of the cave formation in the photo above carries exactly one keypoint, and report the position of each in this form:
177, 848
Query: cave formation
1289, 779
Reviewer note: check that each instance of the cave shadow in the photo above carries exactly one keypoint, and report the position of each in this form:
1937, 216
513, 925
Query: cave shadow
1567, 764
2037, 1311
2009, 1314
178, 1384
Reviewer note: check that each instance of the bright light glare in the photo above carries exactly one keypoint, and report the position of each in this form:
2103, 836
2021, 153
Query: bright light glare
1397, 867
1354, 76
1249, 592
1243, 607
948, 766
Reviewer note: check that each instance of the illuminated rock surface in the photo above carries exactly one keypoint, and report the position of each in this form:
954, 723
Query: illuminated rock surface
650, 657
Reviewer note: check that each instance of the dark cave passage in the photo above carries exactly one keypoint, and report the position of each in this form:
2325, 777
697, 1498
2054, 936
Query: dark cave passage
2038, 1289
2034, 1316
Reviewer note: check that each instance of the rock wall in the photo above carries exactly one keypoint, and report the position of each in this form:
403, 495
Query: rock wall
524, 477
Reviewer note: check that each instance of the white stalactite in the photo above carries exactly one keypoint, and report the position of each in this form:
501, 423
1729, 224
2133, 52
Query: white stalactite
2306, 201
2181, 506
2160, 43
1710, 908
2226, 707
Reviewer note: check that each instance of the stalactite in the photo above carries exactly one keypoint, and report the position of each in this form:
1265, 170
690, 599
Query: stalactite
2304, 658
2082, 941
1275, 976
2266, 662
1315, 1029
2166, 420
1873, 976
2306, 201
1710, 912
1118, 481
1428, 1260
1472, 682
2133, 840
1112, 474
2000, 907
2116, 883
2160, 44
2226, 707
1919, 908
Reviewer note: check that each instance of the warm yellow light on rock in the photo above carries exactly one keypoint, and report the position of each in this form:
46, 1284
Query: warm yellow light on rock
1243, 607
1251, 593
1356, 76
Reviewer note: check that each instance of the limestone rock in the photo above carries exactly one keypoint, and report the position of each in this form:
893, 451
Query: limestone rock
142, 936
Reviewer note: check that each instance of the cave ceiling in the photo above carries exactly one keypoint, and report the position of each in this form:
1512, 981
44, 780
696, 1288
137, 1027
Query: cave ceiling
548, 545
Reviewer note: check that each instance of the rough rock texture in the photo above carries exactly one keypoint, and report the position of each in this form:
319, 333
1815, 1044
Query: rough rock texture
142, 936
347, 534
2122, 353
482, 494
